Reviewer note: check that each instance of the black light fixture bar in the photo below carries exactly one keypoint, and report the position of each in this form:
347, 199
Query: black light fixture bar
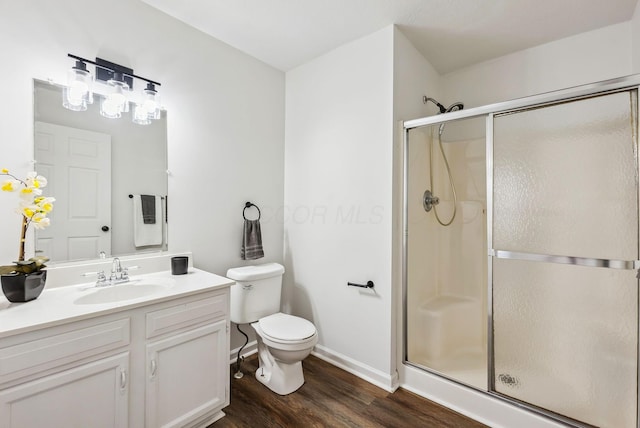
105, 70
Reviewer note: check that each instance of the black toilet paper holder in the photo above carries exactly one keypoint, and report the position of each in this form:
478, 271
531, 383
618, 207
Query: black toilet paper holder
369, 284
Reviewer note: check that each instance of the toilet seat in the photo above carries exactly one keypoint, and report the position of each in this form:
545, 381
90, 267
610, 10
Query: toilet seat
284, 328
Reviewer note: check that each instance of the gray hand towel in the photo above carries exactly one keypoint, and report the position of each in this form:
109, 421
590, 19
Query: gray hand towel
148, 209
251, 241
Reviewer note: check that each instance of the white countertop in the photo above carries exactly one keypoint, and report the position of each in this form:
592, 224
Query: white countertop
58, 305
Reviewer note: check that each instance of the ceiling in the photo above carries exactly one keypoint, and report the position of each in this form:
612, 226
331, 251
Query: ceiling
451, 34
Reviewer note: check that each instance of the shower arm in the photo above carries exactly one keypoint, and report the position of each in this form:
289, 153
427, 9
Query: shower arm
426, 99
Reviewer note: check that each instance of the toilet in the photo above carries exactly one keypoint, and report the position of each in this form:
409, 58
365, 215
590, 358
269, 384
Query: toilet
283, 340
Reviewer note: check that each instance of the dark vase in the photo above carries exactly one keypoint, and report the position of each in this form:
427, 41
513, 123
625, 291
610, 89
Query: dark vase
23, 287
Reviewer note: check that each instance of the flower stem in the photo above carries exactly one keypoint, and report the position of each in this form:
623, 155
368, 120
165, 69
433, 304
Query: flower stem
23, 235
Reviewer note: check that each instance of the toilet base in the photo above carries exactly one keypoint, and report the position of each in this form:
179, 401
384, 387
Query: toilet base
281, 378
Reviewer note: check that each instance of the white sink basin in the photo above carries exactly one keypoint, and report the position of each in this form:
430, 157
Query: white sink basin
133, 289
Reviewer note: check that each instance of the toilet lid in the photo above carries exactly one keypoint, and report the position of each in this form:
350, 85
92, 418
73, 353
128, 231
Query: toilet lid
286, 327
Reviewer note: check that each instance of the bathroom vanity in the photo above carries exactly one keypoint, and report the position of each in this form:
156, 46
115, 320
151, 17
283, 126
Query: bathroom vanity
153, 352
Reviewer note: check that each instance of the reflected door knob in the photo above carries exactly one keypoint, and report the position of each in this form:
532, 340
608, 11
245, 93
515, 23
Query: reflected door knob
105, 228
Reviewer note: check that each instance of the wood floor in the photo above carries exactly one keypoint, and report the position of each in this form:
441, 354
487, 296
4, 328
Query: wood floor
330, 397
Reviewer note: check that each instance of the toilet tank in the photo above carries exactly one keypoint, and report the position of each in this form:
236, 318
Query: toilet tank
256, 292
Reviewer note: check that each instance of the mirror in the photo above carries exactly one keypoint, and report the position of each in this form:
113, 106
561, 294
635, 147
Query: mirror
97, 168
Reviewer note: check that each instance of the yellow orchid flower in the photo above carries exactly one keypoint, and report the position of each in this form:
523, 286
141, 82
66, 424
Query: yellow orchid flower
36, 181
32, 206
10, 185
44, 204
40, 222
28, 212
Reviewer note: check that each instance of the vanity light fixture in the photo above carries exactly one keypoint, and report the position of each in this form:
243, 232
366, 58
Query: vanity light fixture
119, 80
149, 106
113, 104
77, 93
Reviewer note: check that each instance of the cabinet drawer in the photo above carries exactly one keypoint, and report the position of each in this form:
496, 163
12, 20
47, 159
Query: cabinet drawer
56, 346
186, 314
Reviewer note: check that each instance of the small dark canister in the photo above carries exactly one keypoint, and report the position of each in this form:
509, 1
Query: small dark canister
179, 265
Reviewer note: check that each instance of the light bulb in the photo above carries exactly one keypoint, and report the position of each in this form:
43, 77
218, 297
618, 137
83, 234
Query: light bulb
115, 103
151, 101
140, 115
77, 93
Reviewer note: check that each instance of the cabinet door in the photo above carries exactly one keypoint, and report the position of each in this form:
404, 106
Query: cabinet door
90, 395
187, 375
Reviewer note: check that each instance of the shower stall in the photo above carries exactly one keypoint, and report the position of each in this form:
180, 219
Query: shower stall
521, 251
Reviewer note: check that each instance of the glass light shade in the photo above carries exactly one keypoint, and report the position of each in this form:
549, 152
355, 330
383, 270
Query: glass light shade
77, 93
140, 115
151, 101
115, 103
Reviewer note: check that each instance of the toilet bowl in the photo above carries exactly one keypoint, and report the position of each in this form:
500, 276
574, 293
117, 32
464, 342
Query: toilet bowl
283, 340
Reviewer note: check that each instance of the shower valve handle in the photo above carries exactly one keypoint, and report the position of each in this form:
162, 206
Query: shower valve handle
429, 200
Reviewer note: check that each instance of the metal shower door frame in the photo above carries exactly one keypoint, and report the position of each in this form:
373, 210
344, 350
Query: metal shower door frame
629, 83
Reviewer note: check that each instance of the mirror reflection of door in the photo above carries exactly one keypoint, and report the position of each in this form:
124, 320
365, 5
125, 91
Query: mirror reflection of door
80, 161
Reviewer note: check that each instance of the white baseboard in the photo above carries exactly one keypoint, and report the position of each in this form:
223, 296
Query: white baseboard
363, 371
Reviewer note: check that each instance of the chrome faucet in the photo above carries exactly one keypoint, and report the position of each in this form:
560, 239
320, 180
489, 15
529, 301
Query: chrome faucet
116, 268
118, 273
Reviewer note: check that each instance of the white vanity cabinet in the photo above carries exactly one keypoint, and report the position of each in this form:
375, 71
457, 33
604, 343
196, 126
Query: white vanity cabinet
47, 375
187, 355
89, 395
160, 364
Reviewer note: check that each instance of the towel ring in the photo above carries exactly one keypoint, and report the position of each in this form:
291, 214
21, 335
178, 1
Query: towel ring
249, 205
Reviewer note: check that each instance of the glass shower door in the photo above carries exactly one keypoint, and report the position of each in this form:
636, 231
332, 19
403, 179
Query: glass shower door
563, 259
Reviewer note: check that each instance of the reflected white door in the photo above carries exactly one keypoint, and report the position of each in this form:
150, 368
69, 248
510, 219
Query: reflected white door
77, 164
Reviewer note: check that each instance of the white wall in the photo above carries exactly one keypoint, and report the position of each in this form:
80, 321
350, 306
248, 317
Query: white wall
225, 115
338, 200
585, 58
413, 78
635, 40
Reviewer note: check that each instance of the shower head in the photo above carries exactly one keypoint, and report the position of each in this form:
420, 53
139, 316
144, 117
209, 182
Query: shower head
457, 106
426, 99
454, 107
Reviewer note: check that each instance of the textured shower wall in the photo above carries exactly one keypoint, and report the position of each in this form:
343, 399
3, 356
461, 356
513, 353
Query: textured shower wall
447, 274
423, 242
463, 244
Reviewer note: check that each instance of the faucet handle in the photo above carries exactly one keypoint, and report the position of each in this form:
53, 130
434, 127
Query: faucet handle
101, 275
125, 271
102, 278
